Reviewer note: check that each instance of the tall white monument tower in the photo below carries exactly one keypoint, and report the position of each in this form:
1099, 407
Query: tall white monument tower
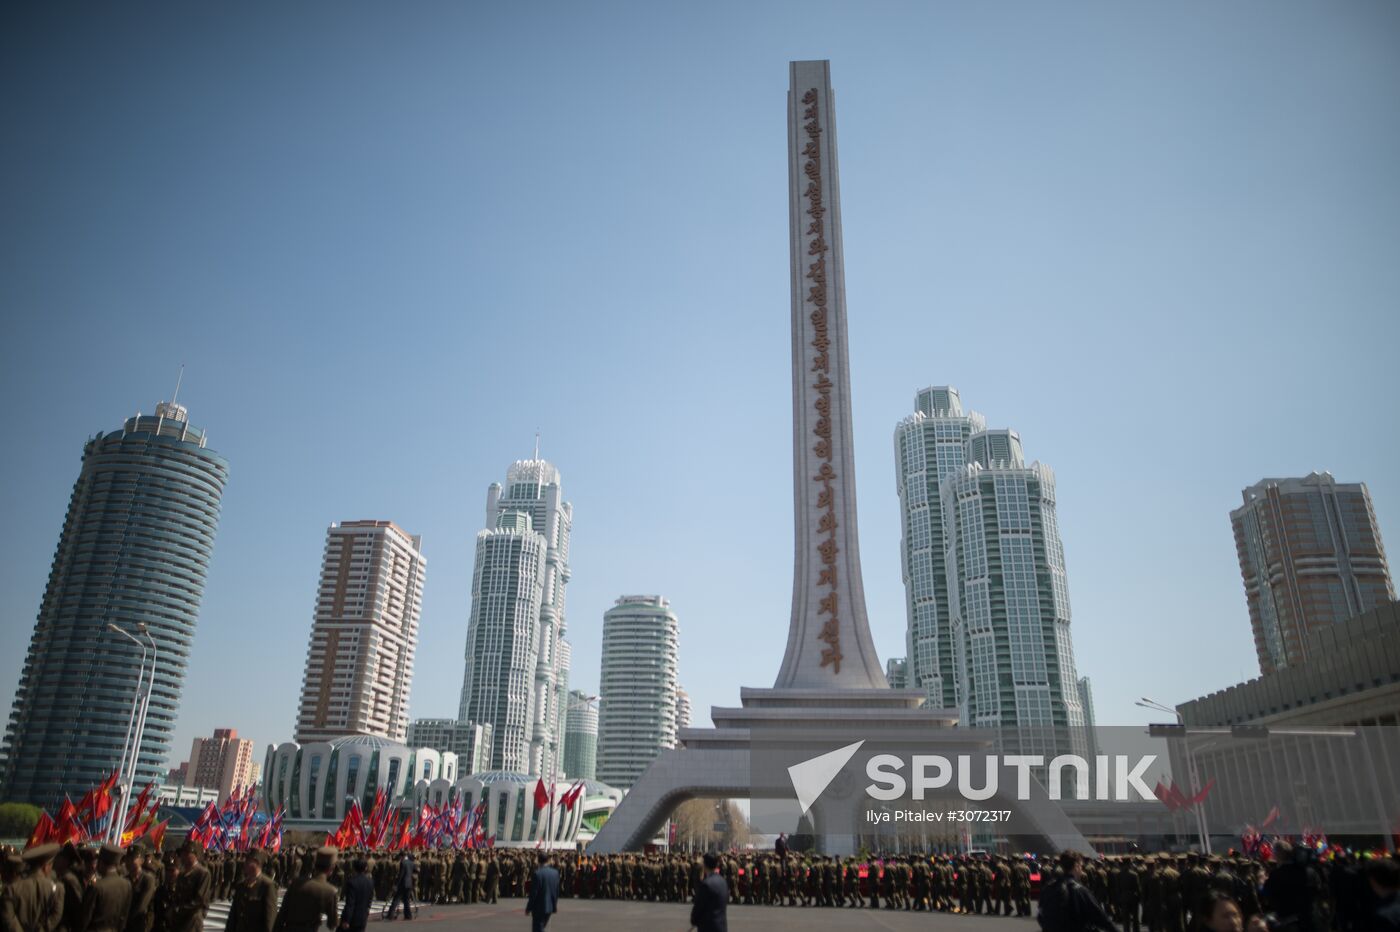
829, 641
831, 683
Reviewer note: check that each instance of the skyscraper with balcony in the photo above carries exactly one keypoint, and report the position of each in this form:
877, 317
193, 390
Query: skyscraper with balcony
640, 678
929, 446
581, 738
1009, 599
1311, 556
359, 666
517, 659
134, 551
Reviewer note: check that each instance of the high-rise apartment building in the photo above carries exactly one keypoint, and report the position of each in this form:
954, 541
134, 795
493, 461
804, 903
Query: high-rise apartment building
1008, 597
359, 666
1311, 556
469, 741
682, 709
517, 660
640, 677
929, 445
581, 738
897, 672
222, 762
134, 552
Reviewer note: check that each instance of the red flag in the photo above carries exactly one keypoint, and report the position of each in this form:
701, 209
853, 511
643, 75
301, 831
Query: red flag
1273, 814
134, 813
1205, 790
69, 824
158, 835
541, 795
44, 829
572, 796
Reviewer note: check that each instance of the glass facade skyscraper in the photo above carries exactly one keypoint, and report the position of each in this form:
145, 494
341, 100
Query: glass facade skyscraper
581, 743
517, 660
1009, 599
134, 550
929, 446
984, 578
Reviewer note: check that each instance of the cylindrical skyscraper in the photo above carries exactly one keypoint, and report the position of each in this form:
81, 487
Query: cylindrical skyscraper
641, 660
134, 550
581, 738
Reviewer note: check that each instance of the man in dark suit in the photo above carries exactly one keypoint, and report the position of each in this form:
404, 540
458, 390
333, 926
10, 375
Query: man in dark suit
359, 894
403, 887
710, 911
544, 894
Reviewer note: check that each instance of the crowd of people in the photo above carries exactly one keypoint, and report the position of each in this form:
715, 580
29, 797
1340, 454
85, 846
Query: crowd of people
107, 889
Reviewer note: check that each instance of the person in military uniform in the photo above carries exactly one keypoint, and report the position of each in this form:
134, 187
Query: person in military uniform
193, 892
310, 898
1127, 896
107, 900
143, 891
1021, 886
254, 907
68, 875
32, 903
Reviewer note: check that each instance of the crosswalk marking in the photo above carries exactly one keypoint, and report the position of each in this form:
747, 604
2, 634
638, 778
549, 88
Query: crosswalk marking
217, 917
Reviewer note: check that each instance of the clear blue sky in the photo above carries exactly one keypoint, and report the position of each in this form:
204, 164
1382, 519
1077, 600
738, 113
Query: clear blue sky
1162, 241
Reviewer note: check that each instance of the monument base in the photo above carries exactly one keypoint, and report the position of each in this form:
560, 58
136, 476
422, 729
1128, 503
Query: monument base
718, 763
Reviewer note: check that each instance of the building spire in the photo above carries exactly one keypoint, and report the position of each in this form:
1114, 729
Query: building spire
175, 399
537, 443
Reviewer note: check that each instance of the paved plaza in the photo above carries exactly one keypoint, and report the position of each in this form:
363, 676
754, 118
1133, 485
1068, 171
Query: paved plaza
629, 916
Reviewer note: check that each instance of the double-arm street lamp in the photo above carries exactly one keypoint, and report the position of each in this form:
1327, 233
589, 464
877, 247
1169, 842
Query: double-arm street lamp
582, 703
1200, 808
135, 726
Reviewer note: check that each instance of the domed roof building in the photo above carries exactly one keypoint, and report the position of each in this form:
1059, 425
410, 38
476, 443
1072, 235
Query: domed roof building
317, 782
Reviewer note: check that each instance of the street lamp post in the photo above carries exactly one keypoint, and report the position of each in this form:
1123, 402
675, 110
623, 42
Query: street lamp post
584, 703
136, 723
1195, 779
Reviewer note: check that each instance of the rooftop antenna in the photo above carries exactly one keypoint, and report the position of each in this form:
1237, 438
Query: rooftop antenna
178, 380
537, 443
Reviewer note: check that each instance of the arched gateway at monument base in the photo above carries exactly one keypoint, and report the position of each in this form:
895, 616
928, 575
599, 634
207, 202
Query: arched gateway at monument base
720, 763
830, 685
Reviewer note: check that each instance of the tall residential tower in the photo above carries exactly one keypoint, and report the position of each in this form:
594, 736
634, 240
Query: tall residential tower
1008, 596
929, 446
359, 666
1311, 556
517, 660
640, 678
134, 552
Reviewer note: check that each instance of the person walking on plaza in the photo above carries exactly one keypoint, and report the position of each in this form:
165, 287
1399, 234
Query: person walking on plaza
359, 894
1066, 905
254, 907
710, 910
403, 887
544, 894
310, 898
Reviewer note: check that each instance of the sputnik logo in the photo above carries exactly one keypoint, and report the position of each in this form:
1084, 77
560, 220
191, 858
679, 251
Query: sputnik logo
811, 777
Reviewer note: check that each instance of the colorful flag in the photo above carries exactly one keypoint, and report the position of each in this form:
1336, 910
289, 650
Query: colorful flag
158, 835
44, 830
541, 795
